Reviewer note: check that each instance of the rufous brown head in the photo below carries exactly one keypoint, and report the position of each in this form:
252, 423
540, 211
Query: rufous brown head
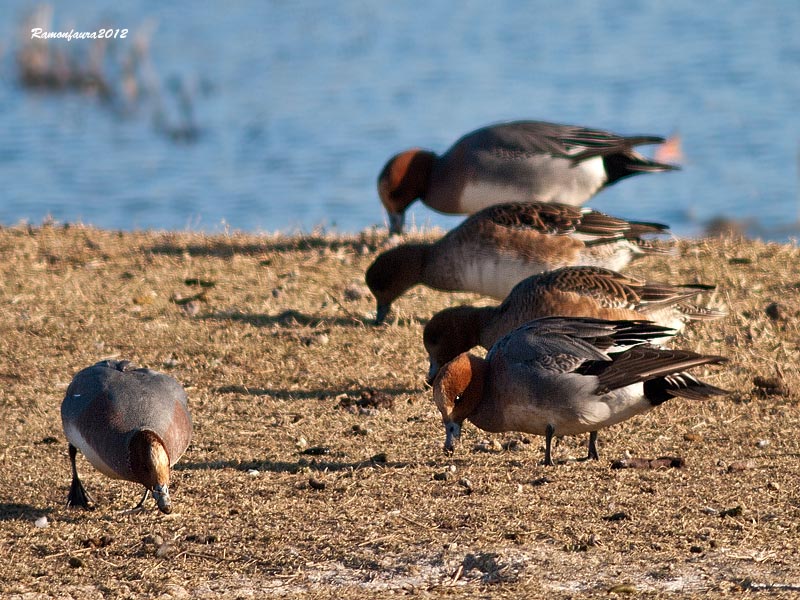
404, 178
457, 390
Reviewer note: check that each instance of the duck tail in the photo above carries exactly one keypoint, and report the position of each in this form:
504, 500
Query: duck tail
680, 385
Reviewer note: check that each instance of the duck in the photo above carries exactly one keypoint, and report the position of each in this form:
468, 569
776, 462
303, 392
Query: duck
567, 292
130, 423
512, 161
560, 376
497, 247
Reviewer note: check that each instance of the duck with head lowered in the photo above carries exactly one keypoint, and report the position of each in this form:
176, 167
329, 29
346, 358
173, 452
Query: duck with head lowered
567, 292
566, 376
515, 161
496, 248
129, 423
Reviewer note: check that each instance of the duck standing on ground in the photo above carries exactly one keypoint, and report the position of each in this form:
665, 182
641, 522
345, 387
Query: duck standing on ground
516, 161
496, 248
567, 292
129, 423
566, 376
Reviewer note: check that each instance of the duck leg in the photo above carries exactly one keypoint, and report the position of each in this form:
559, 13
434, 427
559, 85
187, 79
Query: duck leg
140, 506
548, 441
593, 446
78, 496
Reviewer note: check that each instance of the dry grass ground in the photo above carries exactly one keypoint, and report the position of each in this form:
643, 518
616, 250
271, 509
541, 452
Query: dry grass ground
275, 352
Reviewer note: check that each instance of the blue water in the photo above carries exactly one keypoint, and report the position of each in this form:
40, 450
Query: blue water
303, 102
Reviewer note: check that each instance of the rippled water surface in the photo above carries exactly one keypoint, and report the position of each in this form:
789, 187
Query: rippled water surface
299, 104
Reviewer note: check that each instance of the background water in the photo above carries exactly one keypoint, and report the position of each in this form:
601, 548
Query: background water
299, 104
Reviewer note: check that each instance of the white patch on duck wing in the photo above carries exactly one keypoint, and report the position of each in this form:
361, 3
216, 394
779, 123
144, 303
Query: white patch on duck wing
76, 439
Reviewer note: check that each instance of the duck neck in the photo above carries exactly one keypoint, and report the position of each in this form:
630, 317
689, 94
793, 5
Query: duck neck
413, 175
479, 321
473, 394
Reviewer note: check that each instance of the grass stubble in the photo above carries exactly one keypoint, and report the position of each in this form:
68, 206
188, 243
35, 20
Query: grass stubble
316, 467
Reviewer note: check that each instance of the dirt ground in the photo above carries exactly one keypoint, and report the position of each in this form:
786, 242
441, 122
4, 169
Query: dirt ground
316, 467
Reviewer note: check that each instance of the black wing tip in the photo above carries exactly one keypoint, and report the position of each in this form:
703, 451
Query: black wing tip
642, 227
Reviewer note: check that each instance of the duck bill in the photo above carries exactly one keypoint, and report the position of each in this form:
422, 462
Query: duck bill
396, 222
380, 314
452, 433
432, 370
161, 495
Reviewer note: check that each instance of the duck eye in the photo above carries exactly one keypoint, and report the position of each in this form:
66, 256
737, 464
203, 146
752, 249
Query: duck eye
458, 398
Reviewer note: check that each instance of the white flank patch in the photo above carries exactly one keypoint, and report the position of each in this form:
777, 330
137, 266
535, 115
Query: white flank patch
477, 196
594, 169
496, 277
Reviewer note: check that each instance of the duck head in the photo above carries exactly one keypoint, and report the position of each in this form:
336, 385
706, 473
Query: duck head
449, 333
394, 272
457, 390
404, 178
149, 463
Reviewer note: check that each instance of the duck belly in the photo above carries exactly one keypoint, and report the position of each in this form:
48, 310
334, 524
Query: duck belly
75, 438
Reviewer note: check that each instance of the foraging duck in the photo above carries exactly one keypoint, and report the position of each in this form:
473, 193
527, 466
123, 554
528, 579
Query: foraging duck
496, 248
516, 161
566, 376
566, 292
129, 423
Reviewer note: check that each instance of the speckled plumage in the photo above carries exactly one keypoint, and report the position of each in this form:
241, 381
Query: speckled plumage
569, 291
493, 250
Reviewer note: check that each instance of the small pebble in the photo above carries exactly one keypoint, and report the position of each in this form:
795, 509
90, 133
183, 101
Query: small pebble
360, 430
617, 516
191, 308
776, 311
513, 445
76, 562
443, 476
736, 511
253, 472
696, 550
740, 465
541, 481
380, 457
41, 522
466, 484
762, 443
156, 540
489, 446
164, 550
317, 484
692, 437
354, 292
